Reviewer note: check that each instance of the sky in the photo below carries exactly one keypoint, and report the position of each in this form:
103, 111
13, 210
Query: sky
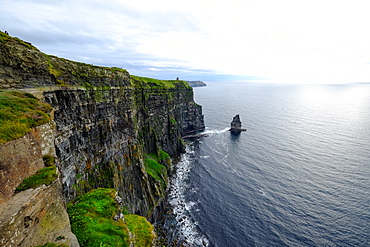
285, 41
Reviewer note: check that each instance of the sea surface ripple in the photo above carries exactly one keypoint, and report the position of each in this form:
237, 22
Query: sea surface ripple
299, 176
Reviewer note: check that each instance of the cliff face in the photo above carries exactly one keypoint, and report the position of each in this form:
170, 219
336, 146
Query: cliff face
27, 153
106, 123
103, 135
35, 217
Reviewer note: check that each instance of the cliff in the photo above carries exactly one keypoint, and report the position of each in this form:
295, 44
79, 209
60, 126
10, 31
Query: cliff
196, 83
107, 129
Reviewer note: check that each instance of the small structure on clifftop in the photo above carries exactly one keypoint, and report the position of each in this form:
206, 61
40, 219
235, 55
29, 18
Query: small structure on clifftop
236, 125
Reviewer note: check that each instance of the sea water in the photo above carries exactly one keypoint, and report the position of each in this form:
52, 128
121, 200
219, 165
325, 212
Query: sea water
299, 175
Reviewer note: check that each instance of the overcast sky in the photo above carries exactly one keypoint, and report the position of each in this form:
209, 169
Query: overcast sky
295, 41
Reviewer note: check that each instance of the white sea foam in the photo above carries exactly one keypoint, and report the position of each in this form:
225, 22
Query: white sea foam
181, 208
209, 131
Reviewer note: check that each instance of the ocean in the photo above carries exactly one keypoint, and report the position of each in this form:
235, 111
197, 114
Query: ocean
299, 175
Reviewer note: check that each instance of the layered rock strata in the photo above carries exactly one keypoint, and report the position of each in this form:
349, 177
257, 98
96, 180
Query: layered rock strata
105, 123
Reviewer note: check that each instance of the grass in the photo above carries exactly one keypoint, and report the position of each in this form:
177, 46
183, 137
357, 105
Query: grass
45, 176
92, 221
51, 67
5, 37
82, 71
52, 245
141, 228
115, 69
162, 156
173, 120
19, 112
144, 82
156, 170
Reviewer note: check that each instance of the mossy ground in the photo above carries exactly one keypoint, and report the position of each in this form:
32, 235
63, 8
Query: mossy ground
82, 72
19, 112
45, 176
5, 37
155, 169
92, 221
51, 245
163, 156
52, 68
141, 228
144, 82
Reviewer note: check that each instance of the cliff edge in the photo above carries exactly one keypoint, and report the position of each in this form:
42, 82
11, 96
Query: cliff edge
107, 129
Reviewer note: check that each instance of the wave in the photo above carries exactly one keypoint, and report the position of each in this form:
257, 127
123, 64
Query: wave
209, 131
187, 227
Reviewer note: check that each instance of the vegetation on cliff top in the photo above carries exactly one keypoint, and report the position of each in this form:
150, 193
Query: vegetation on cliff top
68, 73
82, 72
144, 82
92, 221
5, 37
19, 112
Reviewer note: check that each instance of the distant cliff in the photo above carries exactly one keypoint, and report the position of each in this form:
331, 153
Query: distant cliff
196, 83
108, 129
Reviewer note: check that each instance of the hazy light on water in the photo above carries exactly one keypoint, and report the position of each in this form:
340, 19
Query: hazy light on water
345, 103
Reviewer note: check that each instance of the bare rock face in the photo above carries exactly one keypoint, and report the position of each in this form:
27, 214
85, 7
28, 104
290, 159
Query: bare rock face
22, 157
35, 217
236, 125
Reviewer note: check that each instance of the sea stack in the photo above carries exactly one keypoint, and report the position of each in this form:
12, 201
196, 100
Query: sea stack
236, 125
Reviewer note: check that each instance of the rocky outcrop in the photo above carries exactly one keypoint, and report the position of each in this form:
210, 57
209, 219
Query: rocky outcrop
236, 125
35, 217
105, 123
23, 157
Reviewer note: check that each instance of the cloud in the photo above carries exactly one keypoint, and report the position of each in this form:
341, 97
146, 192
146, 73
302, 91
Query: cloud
287, 41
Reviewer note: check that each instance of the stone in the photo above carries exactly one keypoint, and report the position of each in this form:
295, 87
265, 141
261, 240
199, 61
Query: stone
236, 125
35, 217
22, 157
